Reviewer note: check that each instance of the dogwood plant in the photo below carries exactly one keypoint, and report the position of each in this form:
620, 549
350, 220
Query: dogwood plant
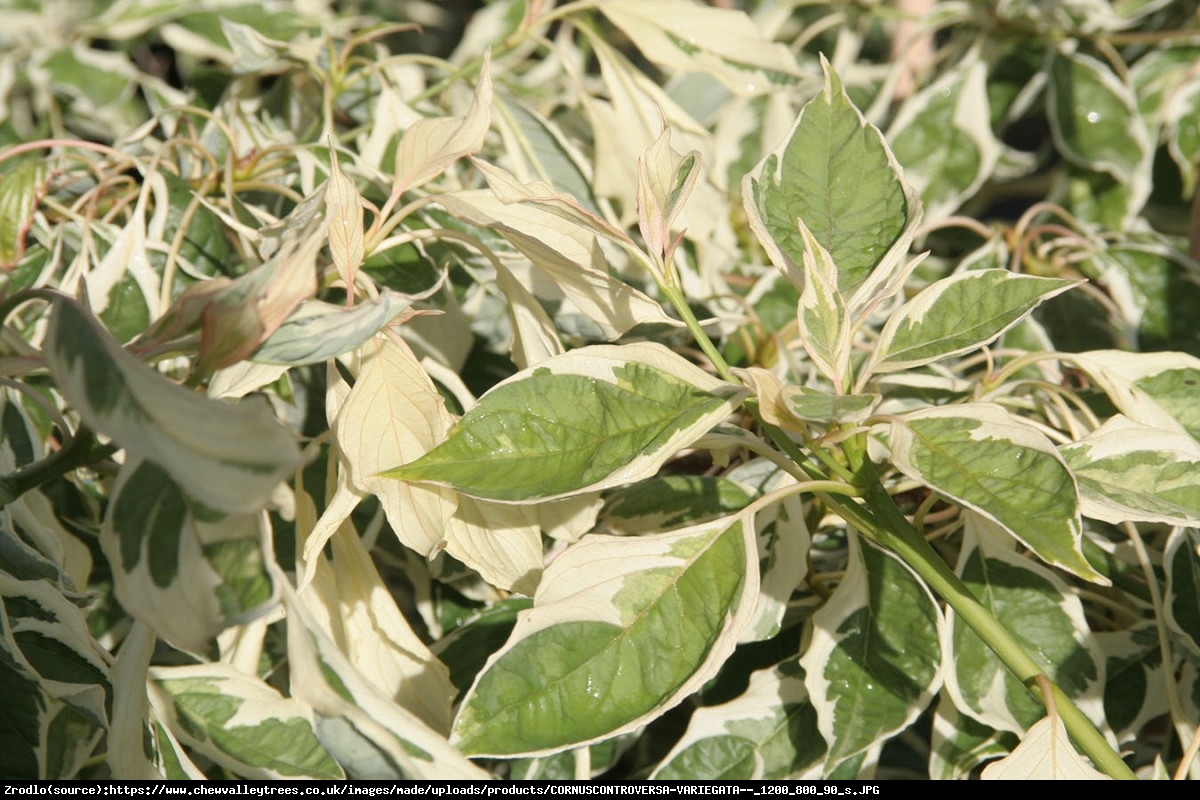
625, 390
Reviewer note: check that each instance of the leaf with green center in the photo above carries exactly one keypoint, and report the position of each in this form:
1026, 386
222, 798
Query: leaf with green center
592, 418
989, 461
1182, 597
960, 744
621, 630
1155, 389
1094, 118
815, 406
1128, 471
959, 314
229, 456
943, 138
823, 325
186, 571
836, 173
19, 188
318, 331
767, 733
1044, 616
241, 723
874, 661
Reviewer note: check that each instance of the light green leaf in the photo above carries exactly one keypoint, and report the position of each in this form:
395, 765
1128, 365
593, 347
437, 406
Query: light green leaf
19, 189
241, 723
549, 153
815, 406
621, 630
1094, 117
1045, 753
593, 418
989, 461
836, 173
1181, 600
767, 733
943, 138
1155, 389
672, 501
690, 37
874, 661
229, 457
1128, 471
186, 571
318, 331
1046, 618
959, 314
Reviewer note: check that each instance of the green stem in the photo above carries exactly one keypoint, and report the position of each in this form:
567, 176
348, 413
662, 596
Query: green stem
81, 450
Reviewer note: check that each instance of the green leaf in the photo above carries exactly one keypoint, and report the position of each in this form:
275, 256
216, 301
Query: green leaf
767, 733
671, 501
1182, 598
621, 630
241, 723
1129, 471
836, 173
989, 461
960, 743
874, 661
959, 314
1094, 118
1044, 616
943, 138
186, 571
548, 151
590, 419
229, 457
1155, 389
823, 324
815, 406
18, 198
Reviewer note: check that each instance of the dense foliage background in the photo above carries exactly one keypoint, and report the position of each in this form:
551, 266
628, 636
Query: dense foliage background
609, 388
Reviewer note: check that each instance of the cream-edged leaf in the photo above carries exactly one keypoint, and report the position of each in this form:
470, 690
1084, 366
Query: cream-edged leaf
241, 723
621, 630
228, 456
592, 418
992, 462
874, 661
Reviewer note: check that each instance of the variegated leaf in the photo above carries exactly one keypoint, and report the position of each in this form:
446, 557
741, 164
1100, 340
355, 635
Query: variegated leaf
229, 457
959, 314
1047, 619
874, 661
992, 462
769, 732
1155, 389
1181, 601
621, 629
593, 418
241, 723
318, 331
185, 570
1128, 471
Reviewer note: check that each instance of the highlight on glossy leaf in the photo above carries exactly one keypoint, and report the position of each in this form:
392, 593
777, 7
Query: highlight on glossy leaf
593, 418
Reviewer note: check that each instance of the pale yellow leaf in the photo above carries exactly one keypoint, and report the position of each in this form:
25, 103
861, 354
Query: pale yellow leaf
1045, 753
345, 214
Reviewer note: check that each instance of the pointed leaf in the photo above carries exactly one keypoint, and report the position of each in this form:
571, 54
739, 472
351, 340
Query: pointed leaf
721, 42
1045, 753
1046, 618
767, 733
874, 661
343, 207
823, 322
318, 331
19, 188
959, 314
229, 457
1181, 600
1155, 389
1128, 471
429, 146
986, 459
241, 723
836, 173
595, 417
621, 630
665, 180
